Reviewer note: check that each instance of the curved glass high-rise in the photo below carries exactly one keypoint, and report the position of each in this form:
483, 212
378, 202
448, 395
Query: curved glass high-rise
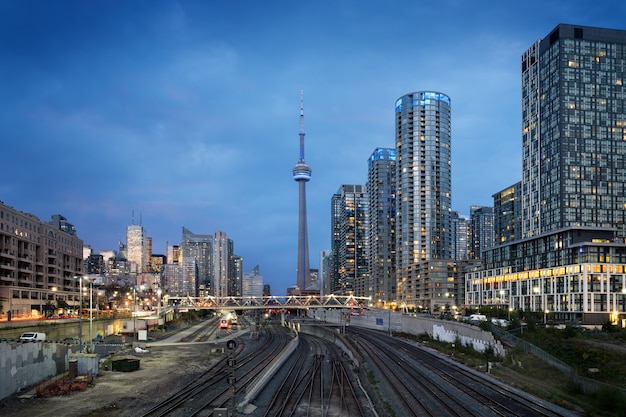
423, 161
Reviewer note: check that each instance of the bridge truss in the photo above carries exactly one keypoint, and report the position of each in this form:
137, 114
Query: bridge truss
269, 302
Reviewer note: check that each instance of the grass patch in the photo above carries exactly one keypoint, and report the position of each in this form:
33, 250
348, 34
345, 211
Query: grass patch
598, 355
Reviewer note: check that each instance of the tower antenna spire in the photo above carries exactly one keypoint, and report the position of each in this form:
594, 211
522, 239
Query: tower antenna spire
301, 125
302, 174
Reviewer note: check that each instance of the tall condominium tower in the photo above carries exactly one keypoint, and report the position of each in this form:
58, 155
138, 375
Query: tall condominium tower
570, 259
460, 236
350, 224
222, 251
573, 124
302, 175
199, 247
235, 274
423, 141
507, 216
381, 188
481, 230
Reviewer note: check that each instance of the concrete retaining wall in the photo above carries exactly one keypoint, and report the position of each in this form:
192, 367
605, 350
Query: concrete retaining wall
331, 335
26, 364
444, 330
57, 330
269, 372
23, 365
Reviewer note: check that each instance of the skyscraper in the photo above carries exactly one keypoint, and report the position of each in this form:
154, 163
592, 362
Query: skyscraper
481, 230
222, 251
252, 283
302, 175
136, 248
569, 261
573, 124
460, 236
423, 161
235, 273
199, 247
507, 216
350, 224
381, 188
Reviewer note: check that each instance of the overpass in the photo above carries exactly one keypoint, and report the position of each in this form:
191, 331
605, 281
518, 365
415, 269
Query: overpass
269, 302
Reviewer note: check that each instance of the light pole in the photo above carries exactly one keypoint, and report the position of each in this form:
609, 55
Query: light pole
135, 314
90, 314
80, 315
158, 308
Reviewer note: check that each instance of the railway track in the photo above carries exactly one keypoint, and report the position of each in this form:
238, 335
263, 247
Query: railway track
213, 389
427, 384
202, 333
317, 383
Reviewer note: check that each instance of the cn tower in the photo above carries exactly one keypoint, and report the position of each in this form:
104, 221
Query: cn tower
302, 174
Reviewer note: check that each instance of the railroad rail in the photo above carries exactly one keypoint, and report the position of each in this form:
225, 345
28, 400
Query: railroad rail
317, 382
427, 384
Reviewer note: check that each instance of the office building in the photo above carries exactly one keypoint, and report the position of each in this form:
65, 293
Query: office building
252, 283
424, 186
174, 254
381, 188
172, 280
570, 260
136, 249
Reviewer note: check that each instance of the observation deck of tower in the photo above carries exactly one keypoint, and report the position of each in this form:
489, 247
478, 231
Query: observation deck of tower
302, 174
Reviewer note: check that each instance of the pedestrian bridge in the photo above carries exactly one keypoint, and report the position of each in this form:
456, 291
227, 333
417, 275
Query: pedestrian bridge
269, 302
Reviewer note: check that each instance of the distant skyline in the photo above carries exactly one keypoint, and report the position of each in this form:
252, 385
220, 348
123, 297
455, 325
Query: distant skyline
187, 112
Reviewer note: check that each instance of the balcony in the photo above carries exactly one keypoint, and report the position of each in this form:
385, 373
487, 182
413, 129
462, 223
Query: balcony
7, 253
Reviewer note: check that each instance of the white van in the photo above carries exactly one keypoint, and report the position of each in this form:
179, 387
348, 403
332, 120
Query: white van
33, 337
477, 317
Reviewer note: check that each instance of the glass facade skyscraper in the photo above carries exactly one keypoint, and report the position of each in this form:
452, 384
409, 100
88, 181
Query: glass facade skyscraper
573, 130
381, 188
136, 248
350, 225
568, 259
200, 248
423, 223
481, 230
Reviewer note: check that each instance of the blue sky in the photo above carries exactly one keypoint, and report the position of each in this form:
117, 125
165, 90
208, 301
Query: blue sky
187, 112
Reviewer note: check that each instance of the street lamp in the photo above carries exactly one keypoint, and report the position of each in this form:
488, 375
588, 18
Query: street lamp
158, 308
80, 316
135, 314
90, 313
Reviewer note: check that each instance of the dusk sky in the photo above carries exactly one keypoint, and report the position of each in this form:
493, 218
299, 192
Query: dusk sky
187, 112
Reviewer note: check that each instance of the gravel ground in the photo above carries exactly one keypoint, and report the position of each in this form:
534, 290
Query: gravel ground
162, 369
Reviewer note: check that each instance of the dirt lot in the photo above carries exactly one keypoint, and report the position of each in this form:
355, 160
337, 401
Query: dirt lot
162, 368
